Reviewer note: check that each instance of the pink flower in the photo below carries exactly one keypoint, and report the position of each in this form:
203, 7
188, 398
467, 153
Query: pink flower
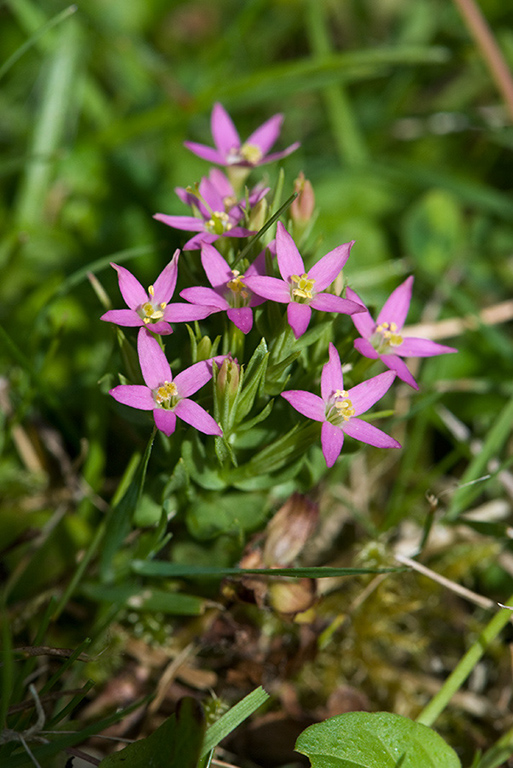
168, 398
338, 409
229, 292
228, 147
382, 339
303, 290
217, 208
151, 309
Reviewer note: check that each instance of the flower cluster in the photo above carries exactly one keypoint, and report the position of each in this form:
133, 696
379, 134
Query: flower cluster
225, 214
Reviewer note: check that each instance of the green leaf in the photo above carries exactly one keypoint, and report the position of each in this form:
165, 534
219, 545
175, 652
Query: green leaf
146, 599
179, 571
119, 517
234, 717
237, 512
374, 740
175, 744
252, 376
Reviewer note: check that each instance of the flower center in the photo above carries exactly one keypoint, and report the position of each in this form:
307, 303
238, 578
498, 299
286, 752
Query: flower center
251, 153
219, 223
149, 312
239, 291
166, 395
386, 336
302, 287
340, 408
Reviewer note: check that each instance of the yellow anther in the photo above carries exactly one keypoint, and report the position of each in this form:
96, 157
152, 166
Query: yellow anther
162, 305
389, 336
236, 285
150, 313
219, 223
345, 409
166, 393
251, 153
151, 291
304, 286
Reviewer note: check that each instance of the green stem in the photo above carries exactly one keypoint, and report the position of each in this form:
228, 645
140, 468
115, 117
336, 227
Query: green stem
456, 679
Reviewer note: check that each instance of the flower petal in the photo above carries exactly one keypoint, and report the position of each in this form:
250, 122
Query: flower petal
221, 183
365, 348
331, 377
329, 267
197, 417
215, 266
308, 404
164, 285
289, 258
364, 395
279, 155
265, 136
242, 317
211, 195
298, 316
269, 287
165, 420
134, 395
328, 302
154, 365
188, 223
161, 328
197, 241
209, 154
412, 347
126, 317
368, 433
130, 287
399, 366
204, 296
193, 378
332, 440
397, 305
185, 313
223, 130
363, 321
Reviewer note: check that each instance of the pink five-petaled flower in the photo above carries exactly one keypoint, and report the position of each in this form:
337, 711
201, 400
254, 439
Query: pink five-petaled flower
230, 151
338, 409
382, 339
229, 292
151, 309
168, 398
303, 291
218, 212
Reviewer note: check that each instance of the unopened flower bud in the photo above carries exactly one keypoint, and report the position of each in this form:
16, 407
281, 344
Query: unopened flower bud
258, 215
204, 349
302, 208
289, 530
291, 597
228, 378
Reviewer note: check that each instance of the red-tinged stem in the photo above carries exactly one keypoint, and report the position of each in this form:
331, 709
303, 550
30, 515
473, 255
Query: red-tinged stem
492, 54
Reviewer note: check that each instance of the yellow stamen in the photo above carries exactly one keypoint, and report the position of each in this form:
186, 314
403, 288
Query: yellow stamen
251, 153
389, 335
165, 393
151, 291
219, 223
343, 406
304, 286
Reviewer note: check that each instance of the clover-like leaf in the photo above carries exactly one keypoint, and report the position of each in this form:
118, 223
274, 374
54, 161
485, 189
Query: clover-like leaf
374, 740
